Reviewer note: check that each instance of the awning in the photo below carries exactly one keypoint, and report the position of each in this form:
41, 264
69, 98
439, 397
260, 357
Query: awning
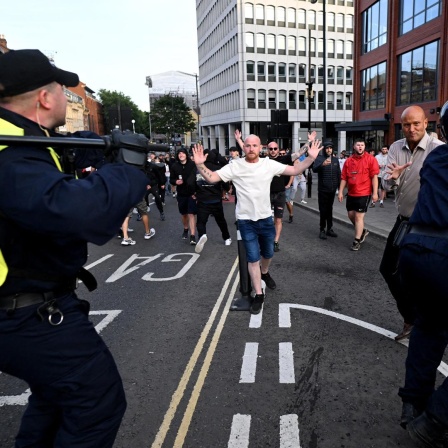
364, 125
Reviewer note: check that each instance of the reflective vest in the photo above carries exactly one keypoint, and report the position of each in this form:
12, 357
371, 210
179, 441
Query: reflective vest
6, 128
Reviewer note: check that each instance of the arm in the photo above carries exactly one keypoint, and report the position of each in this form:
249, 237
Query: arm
300, 167
341, 190
199, 159
375, 188
239, 140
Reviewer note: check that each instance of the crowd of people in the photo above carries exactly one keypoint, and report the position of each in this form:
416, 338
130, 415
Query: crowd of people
46, 337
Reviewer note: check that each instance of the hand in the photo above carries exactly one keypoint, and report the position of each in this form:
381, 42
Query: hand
375, 198
237, 134
198, 154
314, 149
312, 136
340, 196
395, 170
179, 182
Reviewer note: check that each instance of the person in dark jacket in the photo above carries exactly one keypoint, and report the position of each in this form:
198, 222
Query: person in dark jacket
156, 181
47, 219
329, 176
423, 267
183, 176
209, 201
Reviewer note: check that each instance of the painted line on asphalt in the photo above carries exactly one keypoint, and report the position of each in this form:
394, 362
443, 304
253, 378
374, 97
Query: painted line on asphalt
179, 392
182, 433
286, 363
249, 365
289, 431
284, 321
239, 434
91, 265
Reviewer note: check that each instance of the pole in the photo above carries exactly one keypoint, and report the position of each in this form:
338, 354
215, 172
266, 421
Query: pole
197, 108
324, 124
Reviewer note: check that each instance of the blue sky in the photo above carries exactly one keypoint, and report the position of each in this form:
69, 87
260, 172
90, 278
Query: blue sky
110, 44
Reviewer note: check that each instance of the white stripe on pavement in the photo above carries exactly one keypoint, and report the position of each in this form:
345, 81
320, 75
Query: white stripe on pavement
286, 363
239, 435
249, 366
289, 431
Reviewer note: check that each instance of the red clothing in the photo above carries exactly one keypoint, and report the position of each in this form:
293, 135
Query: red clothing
358, 172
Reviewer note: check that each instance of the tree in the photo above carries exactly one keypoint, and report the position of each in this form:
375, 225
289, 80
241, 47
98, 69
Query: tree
118, 103
170, 115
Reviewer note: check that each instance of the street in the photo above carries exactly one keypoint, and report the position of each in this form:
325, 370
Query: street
317, 368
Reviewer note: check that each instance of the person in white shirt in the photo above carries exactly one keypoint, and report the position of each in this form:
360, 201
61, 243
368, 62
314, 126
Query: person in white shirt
252, 177
381, 158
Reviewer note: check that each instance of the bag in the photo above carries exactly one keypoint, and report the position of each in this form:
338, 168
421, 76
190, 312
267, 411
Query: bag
402, 231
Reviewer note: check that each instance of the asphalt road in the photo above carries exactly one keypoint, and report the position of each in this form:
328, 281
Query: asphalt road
318, 368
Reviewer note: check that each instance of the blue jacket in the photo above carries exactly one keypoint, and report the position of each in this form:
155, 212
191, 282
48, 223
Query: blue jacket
48, 217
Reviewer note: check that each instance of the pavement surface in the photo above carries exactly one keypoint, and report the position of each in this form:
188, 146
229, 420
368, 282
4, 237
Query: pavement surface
379, 221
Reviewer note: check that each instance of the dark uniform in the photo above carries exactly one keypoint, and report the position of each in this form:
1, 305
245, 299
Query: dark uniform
46, 339
423, 268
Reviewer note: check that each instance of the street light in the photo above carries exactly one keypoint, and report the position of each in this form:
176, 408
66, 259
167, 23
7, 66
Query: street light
197, 101
324, 63
149, 84
133, 125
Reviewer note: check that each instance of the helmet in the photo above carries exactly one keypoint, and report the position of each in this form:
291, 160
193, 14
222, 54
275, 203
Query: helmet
444, 121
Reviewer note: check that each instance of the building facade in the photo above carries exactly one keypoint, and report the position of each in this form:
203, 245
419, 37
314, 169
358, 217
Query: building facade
401, 60
274, 68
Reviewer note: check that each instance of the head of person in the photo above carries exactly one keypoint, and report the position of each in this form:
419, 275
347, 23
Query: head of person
384, 149
182, 155
343, 154
413, 124
359, 146
372, 152
252, 148
234, 153
444, 121
30, 85
282, 152
328, 149
152, 155
273, 150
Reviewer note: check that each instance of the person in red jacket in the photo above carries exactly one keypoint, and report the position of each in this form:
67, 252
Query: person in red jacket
360, 176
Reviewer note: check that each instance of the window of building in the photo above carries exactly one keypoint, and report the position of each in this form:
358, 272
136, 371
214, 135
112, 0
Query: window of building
282, 99
271, 72
302, 46
270, 15
250, 70
340, 75
330, 48
348, 49
292, 99
251, 98
340, 49
340, 23
249, 12
281, 44
348, 76
415, 13
261, 71
292, 46
312, 71
302, 72
301, 19
312, 46
259, 14
311, 19
320, 48
262, 99
272, 98
349, 21
340, 100
320, 74
330, 74
292, 73
417, 72
281, 16
320, 100
291, 17
348, 101
250, 42
271, 43
320, 20
330, 101
282, 72
302, 99
374, 26
373, 87
260, 43
331, 21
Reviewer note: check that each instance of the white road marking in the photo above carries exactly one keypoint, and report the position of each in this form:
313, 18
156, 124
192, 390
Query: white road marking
122, 270
286, 363
256, 319
181, 273
289, 431
22, 399
284, 321
91, 265
239, 434
249, 366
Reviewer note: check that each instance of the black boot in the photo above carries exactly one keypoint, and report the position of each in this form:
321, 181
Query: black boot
427, 430
408, 413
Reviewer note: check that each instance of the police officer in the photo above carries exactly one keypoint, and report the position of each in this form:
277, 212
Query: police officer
423, 265
47, 218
